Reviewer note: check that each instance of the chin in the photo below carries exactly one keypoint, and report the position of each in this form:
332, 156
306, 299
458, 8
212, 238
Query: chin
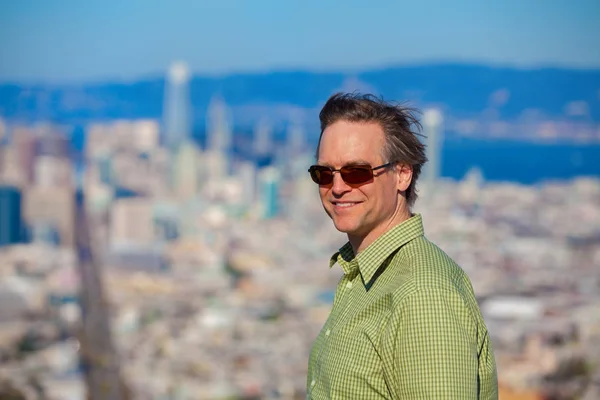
345, 226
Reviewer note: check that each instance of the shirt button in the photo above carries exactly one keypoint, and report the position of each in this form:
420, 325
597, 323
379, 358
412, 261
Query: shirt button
349, 285
328, 332
312, 383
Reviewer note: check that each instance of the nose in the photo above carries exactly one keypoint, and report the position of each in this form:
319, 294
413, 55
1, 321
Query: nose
339, 186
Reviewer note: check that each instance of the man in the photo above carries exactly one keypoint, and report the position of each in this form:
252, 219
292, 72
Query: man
405, 323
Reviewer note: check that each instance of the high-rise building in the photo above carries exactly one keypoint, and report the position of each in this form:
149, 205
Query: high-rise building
53, 145
469, 191
105, 170
246, 172
177, 106
186, 171
52, 206
2, 130
145, 135
263, 143
52, 165
10, 215
304, 198
269, 182
218, 125
98, 141
295, 139
132, 222
99, 198
166, 219
24, 146
432, 128
11, 171
53, 172
215, 166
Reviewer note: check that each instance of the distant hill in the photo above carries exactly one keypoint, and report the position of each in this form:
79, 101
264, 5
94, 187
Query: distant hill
463, 91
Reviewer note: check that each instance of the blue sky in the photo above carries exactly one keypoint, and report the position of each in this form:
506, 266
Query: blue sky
90, 40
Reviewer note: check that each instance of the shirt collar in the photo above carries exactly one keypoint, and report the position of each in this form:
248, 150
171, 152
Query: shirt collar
370, 259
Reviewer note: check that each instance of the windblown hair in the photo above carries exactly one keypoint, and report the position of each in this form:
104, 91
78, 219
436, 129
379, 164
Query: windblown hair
400, 126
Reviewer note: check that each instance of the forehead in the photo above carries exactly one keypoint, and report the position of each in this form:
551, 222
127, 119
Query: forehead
345, 142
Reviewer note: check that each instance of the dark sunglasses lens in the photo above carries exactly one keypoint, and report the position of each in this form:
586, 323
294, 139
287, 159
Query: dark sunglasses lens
321, 175
356, 175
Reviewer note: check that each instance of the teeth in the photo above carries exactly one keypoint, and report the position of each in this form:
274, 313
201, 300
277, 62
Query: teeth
344, 204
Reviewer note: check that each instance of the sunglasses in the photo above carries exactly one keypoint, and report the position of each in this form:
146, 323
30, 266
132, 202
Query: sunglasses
352, 175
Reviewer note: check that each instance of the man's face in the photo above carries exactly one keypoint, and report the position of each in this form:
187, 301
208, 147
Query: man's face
358, 210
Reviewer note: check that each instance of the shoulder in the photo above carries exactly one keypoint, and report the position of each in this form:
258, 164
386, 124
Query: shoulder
428, 268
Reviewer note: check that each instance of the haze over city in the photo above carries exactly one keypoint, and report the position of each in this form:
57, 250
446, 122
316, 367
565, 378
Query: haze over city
160, 236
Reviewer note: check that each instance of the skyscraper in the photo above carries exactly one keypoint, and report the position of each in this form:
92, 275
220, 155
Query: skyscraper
432, 127
2, 130
269, 186
295, 139
25, 148
177, 107
263, 144
186, 171
215, 167
246, 173
10, 215
52, 206
218, 125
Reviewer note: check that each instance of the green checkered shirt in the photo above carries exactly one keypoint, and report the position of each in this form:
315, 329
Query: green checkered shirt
404, 325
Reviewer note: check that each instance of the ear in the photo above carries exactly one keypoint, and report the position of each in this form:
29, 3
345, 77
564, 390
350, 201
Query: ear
404, 176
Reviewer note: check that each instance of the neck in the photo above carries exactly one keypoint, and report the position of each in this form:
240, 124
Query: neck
361, 242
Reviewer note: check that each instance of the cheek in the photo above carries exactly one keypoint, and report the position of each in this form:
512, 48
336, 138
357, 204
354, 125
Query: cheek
385, 197
323, 193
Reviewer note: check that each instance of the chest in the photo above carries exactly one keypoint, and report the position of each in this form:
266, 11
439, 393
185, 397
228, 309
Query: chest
346, 357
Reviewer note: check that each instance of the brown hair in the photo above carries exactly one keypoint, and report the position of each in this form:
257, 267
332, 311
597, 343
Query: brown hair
400, 126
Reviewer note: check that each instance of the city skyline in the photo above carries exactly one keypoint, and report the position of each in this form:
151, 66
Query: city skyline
214, 261
70, 42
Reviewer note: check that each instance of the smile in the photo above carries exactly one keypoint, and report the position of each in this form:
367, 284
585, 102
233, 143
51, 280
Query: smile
344, 204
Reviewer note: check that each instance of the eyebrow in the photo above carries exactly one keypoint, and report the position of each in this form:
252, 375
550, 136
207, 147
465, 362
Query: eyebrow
358, 161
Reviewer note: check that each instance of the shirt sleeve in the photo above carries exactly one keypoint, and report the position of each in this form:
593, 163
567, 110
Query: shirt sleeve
430, 348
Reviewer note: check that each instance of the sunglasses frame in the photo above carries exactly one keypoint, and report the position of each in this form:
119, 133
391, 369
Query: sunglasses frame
365, 167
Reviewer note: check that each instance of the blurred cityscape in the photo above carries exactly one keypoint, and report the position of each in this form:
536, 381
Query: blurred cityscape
212, 263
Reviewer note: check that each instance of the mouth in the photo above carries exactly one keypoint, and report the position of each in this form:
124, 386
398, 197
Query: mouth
344, 205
